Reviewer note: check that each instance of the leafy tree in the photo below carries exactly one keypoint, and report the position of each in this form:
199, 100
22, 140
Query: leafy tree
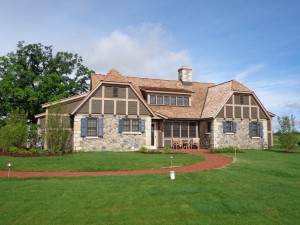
15, 132
34, 75
57, 129
288, 136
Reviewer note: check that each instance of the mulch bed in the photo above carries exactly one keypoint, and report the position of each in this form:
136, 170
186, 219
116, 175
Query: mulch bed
213, 161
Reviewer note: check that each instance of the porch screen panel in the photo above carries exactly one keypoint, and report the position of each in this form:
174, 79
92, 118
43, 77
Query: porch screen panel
192, 129
184, 129
176, 129
167, 130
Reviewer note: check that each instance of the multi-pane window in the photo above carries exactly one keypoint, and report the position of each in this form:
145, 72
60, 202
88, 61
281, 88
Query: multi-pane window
180, 129
135, 125
152, 99
159, 100
173, 100
131, 125
229, 126
256, 129
169, 100
166, 100
126, 125
179, 101
91, 126
186, 101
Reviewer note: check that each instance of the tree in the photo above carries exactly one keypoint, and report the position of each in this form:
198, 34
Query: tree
33, 75
15, 132
288, 136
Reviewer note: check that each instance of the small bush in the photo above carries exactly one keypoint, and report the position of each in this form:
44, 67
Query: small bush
229, 149
143, 149
167, 150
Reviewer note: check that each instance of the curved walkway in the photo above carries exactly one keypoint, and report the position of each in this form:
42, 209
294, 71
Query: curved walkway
213, 161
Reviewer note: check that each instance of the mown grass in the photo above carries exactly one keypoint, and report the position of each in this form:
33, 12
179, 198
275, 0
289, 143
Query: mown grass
98, 161
261, 187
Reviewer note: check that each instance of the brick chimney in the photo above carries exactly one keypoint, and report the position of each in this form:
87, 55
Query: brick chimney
185, 74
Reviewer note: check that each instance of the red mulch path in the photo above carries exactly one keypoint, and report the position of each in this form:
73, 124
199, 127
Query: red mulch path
213, 161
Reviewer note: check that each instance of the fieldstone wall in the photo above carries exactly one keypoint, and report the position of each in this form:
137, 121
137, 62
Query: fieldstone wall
241, 138
112, 140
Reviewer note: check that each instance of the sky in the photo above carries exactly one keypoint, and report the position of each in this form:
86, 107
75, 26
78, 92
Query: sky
256, 42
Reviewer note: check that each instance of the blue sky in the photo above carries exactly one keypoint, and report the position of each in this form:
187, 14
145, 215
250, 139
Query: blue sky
254, 42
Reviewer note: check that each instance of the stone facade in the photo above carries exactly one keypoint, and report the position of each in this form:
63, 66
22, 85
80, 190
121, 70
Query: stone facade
241, 138
112, 140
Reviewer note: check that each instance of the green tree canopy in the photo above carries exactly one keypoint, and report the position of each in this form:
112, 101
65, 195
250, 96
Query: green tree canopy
34, 75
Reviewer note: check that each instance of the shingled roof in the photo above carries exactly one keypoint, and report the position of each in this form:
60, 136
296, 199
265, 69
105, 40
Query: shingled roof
218, 95
197, 91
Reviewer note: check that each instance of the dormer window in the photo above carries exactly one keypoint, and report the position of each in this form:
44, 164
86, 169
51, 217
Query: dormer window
153, 99
172, 100
159, 100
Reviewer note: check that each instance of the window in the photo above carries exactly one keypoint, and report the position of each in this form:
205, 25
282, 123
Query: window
153, 99
179, 101
255, 129
115, 92
180, 129
159, 100
186, 101
135, 125
229, 127
131, 125
91, 127
166, 100
173, 100
126, 125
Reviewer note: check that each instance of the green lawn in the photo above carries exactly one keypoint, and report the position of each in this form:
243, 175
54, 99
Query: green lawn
262, 187
98, 161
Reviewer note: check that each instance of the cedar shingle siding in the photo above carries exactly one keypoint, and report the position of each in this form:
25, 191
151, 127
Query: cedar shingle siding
121, 107
96, 106
132, 108
108, 107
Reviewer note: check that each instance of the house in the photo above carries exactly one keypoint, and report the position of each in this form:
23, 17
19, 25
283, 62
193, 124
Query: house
124, 113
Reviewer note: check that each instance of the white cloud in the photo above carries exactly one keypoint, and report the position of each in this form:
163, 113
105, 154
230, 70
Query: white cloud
139, 51
248, 71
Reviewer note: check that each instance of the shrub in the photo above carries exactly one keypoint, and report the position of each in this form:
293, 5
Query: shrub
143, 149
229, 149
167, 150
15, 132
288, 140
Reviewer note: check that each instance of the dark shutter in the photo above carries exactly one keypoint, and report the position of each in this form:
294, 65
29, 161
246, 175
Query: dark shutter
100, 125
142, 126
224, 127
234, 127
261, 129
121, 125
83, 127
250, 129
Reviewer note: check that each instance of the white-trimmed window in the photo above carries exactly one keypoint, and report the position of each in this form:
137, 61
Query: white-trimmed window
159, 100
153, 99
131, 125
255, 129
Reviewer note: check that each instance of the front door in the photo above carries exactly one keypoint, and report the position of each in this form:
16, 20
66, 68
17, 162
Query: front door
153, 134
